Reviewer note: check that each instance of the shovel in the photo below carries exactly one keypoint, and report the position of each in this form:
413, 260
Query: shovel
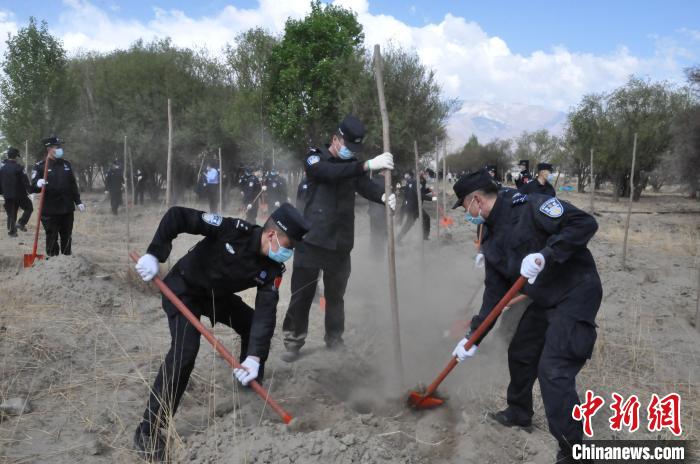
215, 342
30, 258
426, 400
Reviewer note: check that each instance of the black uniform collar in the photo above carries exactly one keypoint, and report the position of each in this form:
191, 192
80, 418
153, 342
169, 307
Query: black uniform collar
325, 150
253, 244
496, 210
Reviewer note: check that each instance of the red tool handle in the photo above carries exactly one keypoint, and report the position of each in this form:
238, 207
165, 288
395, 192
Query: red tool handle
490, 319
218, 346
41, 206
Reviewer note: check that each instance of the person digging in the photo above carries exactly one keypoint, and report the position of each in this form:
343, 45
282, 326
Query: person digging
234, 256
545, 240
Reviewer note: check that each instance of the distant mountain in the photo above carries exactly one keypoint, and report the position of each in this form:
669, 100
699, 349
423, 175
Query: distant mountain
489, 121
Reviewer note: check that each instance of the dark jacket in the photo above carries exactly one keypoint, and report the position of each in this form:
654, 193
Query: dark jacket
330, 199
411, 199
61, 189
227, 261
276, 189
534, 186
13, 180
522, 224
250, 186
523, 178
114, 179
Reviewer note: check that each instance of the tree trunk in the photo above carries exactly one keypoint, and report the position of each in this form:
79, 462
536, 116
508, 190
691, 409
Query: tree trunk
581, 183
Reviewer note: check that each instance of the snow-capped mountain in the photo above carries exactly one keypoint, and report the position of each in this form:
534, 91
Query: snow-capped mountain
489, 121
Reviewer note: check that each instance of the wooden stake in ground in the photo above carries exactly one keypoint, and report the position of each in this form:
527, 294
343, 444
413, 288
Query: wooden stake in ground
435, 193
126, 201
26, 154
629, 206
444, 178
221, 184
393, 292
420, 209
697, 301
592, 184
169, 168
131, 178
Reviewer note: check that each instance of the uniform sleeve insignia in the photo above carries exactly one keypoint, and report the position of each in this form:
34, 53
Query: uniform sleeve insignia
552, 208
212, 219
519, 198
230, 249
313, 159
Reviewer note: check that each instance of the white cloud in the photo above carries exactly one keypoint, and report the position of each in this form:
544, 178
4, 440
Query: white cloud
470, 64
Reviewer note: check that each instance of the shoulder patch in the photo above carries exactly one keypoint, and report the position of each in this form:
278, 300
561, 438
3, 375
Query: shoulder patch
552, 208
212, 219
519, 199
313, 159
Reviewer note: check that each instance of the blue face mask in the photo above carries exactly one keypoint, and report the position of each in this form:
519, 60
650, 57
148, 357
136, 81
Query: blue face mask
550, 178
58, 153
345, 153
281, 255
478, 220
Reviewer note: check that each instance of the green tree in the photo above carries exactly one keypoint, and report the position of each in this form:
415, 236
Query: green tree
310, 71
475, 156
38, 97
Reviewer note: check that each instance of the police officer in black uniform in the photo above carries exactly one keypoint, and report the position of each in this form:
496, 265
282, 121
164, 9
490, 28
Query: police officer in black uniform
250, 190
114, 180
14, 186
545, 240
411, 207
276, 188
234, 256
524, 176
541, 183
62, 196
333, 175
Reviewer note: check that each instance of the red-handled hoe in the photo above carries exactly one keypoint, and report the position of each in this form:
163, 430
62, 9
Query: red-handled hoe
426, 399
30, 258
216, 343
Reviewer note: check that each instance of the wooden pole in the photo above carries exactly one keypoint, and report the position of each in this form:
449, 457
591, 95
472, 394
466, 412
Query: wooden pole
131, 177
435, 193
393, 292
169, 168
126, 200
420, 208
221, 183
444, 178
629, 206
592, 208
26, 155
697, 296
273, 156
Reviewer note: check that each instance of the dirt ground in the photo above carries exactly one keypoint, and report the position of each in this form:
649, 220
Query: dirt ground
81, 339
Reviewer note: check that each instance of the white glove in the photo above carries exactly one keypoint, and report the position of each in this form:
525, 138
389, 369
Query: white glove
264, 188
106, 192
392, 200
81, 208
461, 353
147, 267
479, 262
383, 161
398, 186
531, 266
277, 203
242, 193
249, 207
248, 371
434, 199
40, 183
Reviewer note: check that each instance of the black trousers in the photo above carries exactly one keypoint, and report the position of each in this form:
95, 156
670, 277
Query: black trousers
410, 220
552, 346
336, 271
139, 194
59, 230
12, 206
212, 191
115, 199
175, 371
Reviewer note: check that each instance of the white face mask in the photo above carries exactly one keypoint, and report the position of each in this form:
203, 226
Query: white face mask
58, 153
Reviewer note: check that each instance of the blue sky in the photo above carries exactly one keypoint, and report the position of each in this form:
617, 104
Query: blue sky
519, 64
591, 26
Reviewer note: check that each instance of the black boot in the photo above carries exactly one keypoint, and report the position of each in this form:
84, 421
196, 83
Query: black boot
149, 444
507, 419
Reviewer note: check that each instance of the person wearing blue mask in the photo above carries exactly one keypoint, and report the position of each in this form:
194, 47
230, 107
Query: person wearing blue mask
545, 240
542, 183
333, 176
62, 196
234, 256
